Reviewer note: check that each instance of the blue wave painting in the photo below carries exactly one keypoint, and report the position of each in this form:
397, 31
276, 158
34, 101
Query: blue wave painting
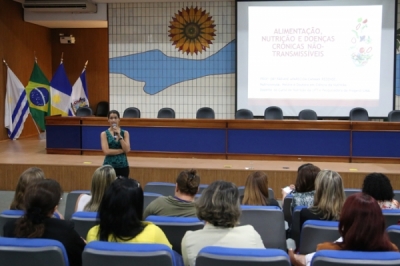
159, 71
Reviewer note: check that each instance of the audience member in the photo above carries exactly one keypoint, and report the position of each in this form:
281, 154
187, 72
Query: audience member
101, 179
256, 191
219, 207
120, 214
182, 204
328, 199
362, 227
378, 186
40, 201
30, 175
304, 189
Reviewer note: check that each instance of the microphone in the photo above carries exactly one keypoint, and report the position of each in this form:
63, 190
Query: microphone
114, 126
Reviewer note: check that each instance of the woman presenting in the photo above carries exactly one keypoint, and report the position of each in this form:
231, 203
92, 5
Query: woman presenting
115, 145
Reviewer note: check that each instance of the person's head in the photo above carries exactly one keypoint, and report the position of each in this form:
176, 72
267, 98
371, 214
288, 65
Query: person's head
219, 204
113, 117
329, 195
378, 186
187, 182
362, 225
306, 175
41, 199
256, 189
101, 179
121, 210
30, 175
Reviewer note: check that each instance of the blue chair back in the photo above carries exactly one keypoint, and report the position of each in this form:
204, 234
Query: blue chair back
392, 216
71, 202
287, 208
355, 258
176, 227
316, 232
350, 191
394, 234
149, 197
222, 256
396, 195
163, 188
32, 252
84, 221
268, 221
100, 253
295, 228
9, 215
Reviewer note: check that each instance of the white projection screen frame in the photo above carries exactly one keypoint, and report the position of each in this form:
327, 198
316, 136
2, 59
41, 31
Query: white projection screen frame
329, 56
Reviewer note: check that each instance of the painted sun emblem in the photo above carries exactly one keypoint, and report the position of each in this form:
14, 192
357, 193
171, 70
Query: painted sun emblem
192, 30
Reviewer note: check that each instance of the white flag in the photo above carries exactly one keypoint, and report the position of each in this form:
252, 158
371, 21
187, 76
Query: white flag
79, 95
16, 106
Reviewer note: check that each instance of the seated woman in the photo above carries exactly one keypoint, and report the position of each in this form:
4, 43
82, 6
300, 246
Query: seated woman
362, 227
182, 203
304, 189
256, 191
219, 207
120, 214
378, 186
40, 201
30, 175
101, 179
328, 199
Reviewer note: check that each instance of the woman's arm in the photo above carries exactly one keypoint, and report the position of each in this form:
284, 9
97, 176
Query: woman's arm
105, 148
125, 143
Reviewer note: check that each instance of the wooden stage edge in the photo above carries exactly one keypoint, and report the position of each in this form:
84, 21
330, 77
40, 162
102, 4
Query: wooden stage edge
74, 172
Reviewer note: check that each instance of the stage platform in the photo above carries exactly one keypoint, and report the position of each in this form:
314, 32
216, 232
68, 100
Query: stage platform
74, 171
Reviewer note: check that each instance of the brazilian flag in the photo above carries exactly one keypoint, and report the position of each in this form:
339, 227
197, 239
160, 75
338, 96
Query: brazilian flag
38, 94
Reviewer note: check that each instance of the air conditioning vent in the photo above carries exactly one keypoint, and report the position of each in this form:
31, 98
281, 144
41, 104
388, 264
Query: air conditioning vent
74, 6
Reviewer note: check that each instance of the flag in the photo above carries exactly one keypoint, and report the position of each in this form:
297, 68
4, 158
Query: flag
60, 91
79, 96
38, 94
16, 104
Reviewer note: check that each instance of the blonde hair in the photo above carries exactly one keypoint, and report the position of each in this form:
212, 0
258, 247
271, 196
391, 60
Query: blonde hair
29, 176
101, 179
329, 195
256, 189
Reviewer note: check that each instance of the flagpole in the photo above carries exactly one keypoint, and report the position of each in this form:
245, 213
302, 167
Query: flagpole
4, 61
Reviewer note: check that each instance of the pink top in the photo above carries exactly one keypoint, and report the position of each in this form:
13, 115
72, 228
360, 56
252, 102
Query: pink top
394, 204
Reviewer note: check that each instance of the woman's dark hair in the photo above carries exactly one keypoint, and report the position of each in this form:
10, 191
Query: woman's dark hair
362, 225
219, 204
378, 186
121, 210
306, 175
40, 200
256, 189
113, 112
188, 182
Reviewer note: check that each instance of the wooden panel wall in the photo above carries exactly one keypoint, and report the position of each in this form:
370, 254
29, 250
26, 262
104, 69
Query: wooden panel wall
92, 45
19, 41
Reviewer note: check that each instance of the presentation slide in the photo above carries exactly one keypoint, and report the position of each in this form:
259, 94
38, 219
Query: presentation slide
329, 56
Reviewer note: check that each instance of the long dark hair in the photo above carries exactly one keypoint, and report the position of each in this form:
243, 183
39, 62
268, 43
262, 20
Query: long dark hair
256, 189
40, 200
121, 210
362, 225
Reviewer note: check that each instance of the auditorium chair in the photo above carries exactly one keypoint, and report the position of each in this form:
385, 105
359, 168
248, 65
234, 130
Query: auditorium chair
295, 228
315, 232
268, 221
394, 234
358, 114
148, 197
84, 111
83, 221
9, 215
394, 116
166, 112
355, 258
244, 114
224, 256
71, 202
205, 113
101, 253
102, 109
131, 112
176, 227
273, 113
396, 195
350, 191
287, 208
163, 188
32, 252
308, 114
392, 216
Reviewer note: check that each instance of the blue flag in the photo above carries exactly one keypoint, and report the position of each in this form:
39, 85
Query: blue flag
60, 93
